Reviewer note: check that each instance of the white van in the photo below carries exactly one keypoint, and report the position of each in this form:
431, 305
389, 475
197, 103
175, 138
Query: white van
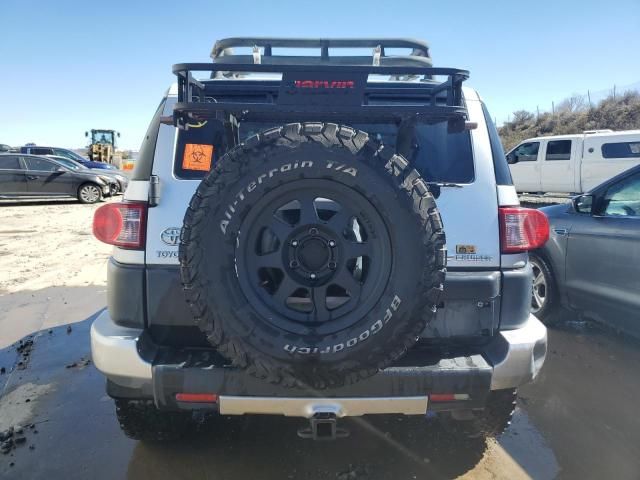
572, 163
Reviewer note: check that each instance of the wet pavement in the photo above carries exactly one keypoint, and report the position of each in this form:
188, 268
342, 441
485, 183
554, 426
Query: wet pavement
578, 420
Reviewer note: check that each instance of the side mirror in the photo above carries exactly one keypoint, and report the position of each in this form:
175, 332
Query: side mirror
583, 204
118, 134
512, 158
86, 134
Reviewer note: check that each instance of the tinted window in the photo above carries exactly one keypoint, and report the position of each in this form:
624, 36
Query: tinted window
438, 156
527, 152
40, 164
621, 150
443, 157
500, 165
144, 163
62, 153
623, 198
9, 162
558, 150
70, 164
40, 151
198, 149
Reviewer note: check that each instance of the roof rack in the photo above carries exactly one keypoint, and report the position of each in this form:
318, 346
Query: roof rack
319, 88
264, 47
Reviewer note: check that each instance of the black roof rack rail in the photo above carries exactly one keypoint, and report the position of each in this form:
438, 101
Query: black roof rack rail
222, 51
320, 93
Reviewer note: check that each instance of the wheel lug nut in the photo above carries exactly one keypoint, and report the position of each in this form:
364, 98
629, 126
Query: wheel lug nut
294, 243
293, 264
312, 276
332, 243
332, 265
313, 231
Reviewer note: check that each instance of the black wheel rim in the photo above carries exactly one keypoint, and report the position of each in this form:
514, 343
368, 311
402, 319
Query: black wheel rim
313, 256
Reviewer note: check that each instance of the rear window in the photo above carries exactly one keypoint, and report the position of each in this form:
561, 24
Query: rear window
40, 151
500, 165
438, 156
621, 150
198, 149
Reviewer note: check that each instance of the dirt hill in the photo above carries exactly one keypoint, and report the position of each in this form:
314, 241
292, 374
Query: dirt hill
574, 115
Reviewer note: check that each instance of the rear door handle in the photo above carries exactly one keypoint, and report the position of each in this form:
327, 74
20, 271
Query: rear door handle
31, 177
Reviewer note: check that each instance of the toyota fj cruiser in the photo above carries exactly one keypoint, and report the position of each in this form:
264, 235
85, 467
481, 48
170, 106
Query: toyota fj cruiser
281, 246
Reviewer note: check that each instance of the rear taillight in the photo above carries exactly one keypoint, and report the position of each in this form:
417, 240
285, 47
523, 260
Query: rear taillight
522, 229
121, 224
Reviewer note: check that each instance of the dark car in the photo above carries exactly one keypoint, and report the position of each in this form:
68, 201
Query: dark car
33, 176
117, 180
64, 152
591, 263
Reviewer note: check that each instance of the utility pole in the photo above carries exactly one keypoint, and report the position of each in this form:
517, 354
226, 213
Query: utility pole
553, 108
589, 97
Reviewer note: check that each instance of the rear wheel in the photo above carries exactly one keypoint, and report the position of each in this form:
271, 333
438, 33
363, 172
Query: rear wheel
544, 294
141, 420
89, 193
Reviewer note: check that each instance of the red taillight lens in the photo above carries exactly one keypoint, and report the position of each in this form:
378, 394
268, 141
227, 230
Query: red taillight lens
121, 224
522, 229
197, 397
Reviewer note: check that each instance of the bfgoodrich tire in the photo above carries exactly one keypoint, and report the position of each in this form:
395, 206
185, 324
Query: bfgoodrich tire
311, 257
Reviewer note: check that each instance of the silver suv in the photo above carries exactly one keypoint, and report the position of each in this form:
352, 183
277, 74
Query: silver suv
318, 236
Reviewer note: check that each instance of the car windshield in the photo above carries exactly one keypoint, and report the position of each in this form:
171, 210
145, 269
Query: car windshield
101, 136
71, 164
70, 154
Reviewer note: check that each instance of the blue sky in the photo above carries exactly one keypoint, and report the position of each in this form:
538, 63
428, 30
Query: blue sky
67, 66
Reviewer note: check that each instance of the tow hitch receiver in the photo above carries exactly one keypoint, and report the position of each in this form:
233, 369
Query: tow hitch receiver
323, 426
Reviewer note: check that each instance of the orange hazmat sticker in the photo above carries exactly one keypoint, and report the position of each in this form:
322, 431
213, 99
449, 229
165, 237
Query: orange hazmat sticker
197, 157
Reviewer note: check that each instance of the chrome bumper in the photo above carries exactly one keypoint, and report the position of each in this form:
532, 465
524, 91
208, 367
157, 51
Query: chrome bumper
525, 350
516, 356
308, 407
114, 350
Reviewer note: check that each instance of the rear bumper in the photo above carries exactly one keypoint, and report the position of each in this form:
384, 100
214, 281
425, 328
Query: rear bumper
137, 369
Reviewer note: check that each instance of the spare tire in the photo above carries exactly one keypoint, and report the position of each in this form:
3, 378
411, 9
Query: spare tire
310, 256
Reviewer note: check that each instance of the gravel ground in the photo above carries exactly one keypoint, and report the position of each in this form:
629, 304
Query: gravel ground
53, 269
